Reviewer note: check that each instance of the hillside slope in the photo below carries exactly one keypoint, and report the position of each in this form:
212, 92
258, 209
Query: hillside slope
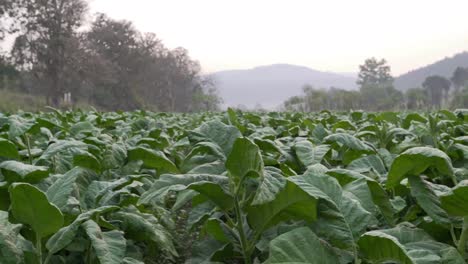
444, 67
271, 85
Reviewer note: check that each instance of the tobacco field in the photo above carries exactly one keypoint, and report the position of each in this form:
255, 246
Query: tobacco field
234, 187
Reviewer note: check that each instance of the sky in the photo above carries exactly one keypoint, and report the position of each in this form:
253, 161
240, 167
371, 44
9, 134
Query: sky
327, 35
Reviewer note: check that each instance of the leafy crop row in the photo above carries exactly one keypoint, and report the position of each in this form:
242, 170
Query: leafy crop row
234, 187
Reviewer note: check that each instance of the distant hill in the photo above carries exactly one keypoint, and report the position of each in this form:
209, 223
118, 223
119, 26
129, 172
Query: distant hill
444, 67
271, 85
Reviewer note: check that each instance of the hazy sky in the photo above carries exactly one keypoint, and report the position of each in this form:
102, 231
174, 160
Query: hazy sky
329, 35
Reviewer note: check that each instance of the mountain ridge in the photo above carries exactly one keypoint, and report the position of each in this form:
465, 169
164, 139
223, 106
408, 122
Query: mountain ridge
270, 85
444, 67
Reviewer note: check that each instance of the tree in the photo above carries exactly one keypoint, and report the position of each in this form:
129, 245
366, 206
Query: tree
376, 86
374, 73
437, 88
459, 78
114, 46
135, 70
416, 98
47, 30
8, 73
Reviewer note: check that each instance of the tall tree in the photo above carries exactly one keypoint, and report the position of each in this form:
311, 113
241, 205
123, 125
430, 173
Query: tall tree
48, 29
416, 98
114, 46
376, 86
374, 72
437, 88
459, 78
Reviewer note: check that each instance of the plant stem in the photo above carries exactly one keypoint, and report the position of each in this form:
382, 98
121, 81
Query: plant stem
240, 224
452, 233
240, 229
28, 143
463, 237
39, 247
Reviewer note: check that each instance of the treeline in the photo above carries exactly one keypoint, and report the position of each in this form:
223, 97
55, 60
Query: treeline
59, 54
377, 93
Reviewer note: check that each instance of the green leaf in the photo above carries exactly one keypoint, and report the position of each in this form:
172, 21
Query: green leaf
201, 154
216, 131
81, 127
109, 246
428, 200
18, 126
30, 206
59, 192
405, 244
8, 149
310, 155
66, 234
417, 160
272, 183
349, 141
368, 163
245, 158
291, 203
455, 202
214, 187
378, 247
379, 196
59, 155
15, 171
152, 159
10, 250
145, 227
300, 245
341, 219
87, 160
114, 156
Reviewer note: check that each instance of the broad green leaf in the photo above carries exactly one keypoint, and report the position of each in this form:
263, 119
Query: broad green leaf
349, 141
114, 156
341, 219
291, 203
61, 146
65, 235
310, 155
379, 196
19, 126
210, 251
30, 206
15, 171
87, 160
201, 154
8, 149
428, 200
368, 163
81, 127
214, 187
272, 183
215, 131
298, 246
153, 159
145, 227
10, 250
455, 202
245, 158
404, 244
59, 155
417, 160
109, 246
59, 192
378, 247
